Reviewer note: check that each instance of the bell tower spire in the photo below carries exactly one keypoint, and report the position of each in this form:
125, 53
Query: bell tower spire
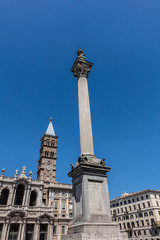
48, 155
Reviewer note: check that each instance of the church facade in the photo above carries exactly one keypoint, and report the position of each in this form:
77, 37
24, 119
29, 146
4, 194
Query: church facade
39, 209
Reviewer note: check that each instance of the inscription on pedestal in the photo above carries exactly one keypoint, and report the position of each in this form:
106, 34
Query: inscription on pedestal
96, 199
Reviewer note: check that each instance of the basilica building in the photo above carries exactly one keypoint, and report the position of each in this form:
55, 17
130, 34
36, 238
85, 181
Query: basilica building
38, 209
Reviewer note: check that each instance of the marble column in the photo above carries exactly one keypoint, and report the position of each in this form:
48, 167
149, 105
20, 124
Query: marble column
23, 235
13, 194
81, 69
92, 217
20, 231
36, 231
7, 231
28, 196
50, 231
4, 230
24, 196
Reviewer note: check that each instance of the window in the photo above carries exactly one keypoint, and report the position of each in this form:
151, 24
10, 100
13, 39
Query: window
4, 197
46, 153
52, 154
147, 196
63, 205
55, 205
63, 229
52, 144
119, 219
127, 217
132, 199
139, 207
145, 214
29, 231
113, 205
142, 222
19, 195
130, 208
157, 203
47, 142
122, 210
137, 223
120, 225
137, 199
155, 196
124, 225
13, 233
139, 233
148, 204
132, 224
118, 210
33, 198
131, 217
43, 231
143, 205
54, 230
117, 204
125, 202
128, 225
140, 215
150, 213
144, 232
134, 207
142, 197
63, 215
129, 201
121, 203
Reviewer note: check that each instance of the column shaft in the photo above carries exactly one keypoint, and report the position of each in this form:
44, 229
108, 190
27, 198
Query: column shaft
85, 126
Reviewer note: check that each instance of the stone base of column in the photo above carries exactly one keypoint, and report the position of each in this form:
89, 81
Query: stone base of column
95, 231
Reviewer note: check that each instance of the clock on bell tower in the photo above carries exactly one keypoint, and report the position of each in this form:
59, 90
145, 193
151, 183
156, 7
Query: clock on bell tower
48, 155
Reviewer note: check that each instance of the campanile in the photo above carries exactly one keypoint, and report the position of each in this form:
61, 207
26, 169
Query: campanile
48, 155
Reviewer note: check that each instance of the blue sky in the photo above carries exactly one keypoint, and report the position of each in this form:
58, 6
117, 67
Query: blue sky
38, 43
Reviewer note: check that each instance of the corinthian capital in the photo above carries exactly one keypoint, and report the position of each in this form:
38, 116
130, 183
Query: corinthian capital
81, 67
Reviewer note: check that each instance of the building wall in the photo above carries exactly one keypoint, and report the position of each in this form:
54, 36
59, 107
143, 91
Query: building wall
22, 219
138, 214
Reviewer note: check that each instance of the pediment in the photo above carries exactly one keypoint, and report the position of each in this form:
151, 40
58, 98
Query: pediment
45, 215
17, 213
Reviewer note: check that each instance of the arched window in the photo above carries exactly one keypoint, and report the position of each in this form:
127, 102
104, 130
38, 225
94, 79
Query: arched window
132, 224
150, 213
119, 219
4, 197
52, 154
131, 217
46, 153
19, 195
52, 144
128, 225
146, 214
33, 198
47, 142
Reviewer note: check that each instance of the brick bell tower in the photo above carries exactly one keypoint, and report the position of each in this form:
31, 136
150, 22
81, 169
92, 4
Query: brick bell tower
48, 155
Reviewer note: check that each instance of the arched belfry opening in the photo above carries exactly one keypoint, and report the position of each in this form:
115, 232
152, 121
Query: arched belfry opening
19, 195
4, 197
33, 198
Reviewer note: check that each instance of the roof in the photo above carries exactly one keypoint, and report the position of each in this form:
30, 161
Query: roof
128, 195
50, 129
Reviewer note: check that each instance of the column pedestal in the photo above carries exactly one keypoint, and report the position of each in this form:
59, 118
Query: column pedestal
92, 217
